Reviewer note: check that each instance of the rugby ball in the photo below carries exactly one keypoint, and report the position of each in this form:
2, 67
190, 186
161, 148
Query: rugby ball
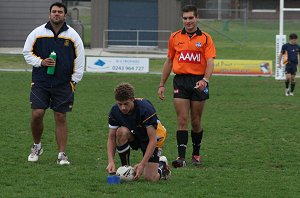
126, 173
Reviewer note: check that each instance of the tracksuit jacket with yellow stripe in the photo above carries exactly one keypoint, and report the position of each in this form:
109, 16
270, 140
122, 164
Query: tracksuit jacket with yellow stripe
69, 49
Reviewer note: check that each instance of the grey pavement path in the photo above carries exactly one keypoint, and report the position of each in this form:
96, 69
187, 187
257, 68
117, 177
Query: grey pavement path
96, 52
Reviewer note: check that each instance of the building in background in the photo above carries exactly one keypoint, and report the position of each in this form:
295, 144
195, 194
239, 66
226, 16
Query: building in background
118, 22
18, 18
103, 23
92, 19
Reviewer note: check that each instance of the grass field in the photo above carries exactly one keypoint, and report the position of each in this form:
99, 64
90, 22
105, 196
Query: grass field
253, 40
250, 147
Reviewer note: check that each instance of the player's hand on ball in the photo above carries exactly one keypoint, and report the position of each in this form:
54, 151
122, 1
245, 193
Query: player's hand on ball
138, 169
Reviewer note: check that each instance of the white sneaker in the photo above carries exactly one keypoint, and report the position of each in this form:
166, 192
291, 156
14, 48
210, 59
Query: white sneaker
164, 167
291, 94
287, 92
63, 160
35, 153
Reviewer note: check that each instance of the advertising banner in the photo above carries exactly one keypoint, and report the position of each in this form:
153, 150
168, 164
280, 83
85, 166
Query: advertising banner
243, 67
118, 65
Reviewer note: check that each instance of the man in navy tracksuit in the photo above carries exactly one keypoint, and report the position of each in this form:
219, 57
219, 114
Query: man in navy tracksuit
290, 51
54, 90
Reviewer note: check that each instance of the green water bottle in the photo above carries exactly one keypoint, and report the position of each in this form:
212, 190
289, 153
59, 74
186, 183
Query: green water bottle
51, 70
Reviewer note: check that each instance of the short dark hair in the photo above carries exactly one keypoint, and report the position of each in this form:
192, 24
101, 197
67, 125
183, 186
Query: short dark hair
293, 36
60, 5
190, 8
124, 91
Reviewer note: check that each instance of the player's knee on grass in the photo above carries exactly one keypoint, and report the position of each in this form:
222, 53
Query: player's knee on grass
150, 172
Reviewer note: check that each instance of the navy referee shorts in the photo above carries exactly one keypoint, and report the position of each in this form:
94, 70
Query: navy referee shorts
184, 87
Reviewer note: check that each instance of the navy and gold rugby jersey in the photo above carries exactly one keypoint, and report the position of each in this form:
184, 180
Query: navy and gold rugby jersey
290, 53
143, 115
69, 50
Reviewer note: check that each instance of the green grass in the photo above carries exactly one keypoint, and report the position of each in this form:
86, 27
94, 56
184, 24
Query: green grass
250, 147
253, 40
8, 61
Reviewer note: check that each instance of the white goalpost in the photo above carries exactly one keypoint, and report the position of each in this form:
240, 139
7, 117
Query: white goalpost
281, 39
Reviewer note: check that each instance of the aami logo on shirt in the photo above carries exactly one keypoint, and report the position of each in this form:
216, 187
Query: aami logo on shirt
188, 56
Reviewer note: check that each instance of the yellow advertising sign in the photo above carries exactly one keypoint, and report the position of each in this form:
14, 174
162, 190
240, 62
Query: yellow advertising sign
243, 67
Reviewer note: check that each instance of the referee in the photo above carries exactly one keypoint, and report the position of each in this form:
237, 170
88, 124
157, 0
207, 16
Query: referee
191, 54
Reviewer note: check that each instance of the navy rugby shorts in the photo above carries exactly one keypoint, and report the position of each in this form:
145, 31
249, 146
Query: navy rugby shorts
59, 99
135, 145
291, 69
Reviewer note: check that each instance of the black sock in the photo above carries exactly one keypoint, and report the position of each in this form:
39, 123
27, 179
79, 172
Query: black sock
124, 153
196, 139
287, 84
293, 86
182, 140
159, 172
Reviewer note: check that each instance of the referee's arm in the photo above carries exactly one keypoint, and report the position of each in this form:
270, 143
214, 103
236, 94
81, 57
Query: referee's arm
165, 74
209, 68
166, 71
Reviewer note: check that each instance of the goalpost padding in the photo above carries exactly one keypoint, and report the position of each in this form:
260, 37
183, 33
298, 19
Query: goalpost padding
279, 72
